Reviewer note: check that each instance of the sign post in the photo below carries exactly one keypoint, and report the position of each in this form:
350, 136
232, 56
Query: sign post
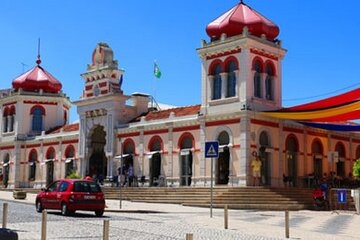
211, 151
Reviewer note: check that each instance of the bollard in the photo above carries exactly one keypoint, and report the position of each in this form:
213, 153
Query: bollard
4, 219
226, 216
106, 230
287, 232
43, 224
189, 236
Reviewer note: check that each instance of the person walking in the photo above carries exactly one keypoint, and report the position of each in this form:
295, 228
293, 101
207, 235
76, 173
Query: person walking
256, 169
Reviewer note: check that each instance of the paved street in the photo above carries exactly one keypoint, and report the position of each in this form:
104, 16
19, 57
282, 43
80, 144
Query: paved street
175, 221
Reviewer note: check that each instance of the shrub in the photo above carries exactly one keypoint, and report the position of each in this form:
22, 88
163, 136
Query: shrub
356, 168
73, 175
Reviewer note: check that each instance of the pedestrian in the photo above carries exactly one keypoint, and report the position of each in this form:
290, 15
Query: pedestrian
256, 169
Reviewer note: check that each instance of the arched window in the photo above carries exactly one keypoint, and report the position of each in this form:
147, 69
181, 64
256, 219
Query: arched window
37, 123
223, 138
12, 119
217, 82
69, 162
186, 143
32, 165
50, 154
231, 81
155, 144
269, 83
5, 119
340, 164
129, 147
257, 79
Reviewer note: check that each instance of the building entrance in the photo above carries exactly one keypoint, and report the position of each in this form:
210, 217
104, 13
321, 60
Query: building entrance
98, 160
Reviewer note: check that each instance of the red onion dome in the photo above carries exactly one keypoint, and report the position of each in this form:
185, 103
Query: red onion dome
233, 21
35, 79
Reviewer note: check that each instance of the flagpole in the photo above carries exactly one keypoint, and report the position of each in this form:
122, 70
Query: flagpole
152, 102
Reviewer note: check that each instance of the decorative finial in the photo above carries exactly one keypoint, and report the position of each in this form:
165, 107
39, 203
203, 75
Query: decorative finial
38, 61
241, 1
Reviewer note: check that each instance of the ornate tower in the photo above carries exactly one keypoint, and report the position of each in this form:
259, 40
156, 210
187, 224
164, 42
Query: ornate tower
241, 65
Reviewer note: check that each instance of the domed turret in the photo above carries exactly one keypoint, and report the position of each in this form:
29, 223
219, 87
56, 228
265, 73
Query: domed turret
36, 79
233, 22
102, 57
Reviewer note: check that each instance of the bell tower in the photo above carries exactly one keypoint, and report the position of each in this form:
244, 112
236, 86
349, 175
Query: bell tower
241, 65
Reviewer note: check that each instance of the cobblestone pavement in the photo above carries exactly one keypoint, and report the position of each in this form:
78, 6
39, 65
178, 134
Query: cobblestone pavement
175, 221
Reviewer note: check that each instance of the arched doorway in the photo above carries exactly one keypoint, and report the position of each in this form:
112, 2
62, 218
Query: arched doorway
340, 164
69, 162
186, 160
223, 163
98, 160
265, 159
317, 151
291, 159
155, 161
50, 156
127, 162
6, 170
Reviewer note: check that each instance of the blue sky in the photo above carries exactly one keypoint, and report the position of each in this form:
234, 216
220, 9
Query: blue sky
322, 39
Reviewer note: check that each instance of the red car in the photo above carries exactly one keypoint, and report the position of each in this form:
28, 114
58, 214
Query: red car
69, 195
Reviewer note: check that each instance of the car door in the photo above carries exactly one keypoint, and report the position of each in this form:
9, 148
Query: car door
50, 195
60, 194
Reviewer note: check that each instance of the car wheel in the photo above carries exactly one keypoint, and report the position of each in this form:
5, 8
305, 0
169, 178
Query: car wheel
99, 213
8, 234
64, 209
38, 206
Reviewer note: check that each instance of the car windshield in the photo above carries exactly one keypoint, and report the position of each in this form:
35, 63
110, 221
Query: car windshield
84, 186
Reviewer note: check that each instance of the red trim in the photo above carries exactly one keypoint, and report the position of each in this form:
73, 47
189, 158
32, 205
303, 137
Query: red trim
89, 95
160, 131
214, 64
48, 152
315, 134
29, 156
184, 135
40, 102
7, 147
67, 150
66, 107
102, 84
223, 54
182, 129
293, 130
264, 123
263, 54
236, 146
152, 140
347, 139
197, 150
253, 146
356, 140
222, 122
134, 134
88, 87
38, 106
272, 66
231, 59
257, 59
70, 141
50, 144
276, 149
129, 141
104, 91
9, 103
33, 145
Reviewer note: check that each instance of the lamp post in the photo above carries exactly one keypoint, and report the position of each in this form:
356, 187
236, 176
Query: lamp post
121, 171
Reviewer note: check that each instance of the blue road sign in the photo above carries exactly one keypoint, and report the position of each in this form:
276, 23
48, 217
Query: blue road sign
341, 195
212, 149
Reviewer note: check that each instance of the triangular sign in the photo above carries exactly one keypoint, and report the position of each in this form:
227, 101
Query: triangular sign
211, 151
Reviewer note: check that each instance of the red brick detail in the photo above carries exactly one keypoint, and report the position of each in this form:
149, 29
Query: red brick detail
125, 135
163, 114
7, 147
189, 128
88, 87
102, 84
293, 130
9, 103
70, 141
223, 54
341, 138
40, 102
160, 131
222, 122
356, 140
316, 134
264, 123
104, 91
236, 146
263, 54
89, 95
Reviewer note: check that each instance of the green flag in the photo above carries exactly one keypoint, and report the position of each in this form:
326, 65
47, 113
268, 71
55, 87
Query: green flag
157, 72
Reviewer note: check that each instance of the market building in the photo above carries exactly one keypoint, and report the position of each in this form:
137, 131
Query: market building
241, 69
